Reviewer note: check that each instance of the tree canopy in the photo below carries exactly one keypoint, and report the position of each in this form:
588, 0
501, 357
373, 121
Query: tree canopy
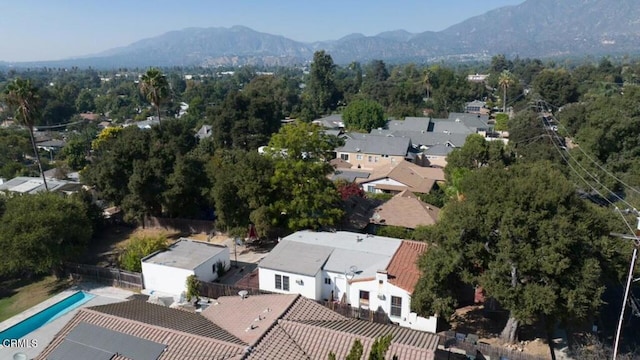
363, 115
39, 232
524, 235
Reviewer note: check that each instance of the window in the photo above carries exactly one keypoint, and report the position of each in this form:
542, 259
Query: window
327, 281
358, 157
370, 158
364, 298
344, 157
371, 188
282, 282
396, 306
375, 159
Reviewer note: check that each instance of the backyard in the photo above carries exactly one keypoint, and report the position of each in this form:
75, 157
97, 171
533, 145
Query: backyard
19, 295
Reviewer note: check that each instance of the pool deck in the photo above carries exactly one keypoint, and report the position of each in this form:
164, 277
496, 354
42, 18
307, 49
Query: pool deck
44, 335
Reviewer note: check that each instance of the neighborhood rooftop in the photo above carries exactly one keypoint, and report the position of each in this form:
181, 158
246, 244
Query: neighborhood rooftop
347, 240
373, 144
185, 254
297, 258
32, 185
255, 327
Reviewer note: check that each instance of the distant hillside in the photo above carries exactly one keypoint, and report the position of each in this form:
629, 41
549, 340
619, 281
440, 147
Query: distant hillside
535, 28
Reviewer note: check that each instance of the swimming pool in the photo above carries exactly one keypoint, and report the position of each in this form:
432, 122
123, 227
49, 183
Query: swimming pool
45, 316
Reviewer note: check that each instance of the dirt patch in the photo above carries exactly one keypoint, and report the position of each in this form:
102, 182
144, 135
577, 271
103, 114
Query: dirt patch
489, 324
106, 246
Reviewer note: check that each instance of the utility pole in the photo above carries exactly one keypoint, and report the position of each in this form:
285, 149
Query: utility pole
630, 280
634, 257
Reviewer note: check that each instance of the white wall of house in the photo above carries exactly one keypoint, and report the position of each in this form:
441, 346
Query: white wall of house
165, 279
307, 286
207, 270
370, 186
336, 285
381, 296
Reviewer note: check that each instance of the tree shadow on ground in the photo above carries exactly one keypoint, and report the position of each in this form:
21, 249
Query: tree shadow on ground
60, 285
10, 286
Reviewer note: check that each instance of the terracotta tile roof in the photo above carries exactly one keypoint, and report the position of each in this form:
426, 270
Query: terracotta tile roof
277, 344
310, 341
406, 210
258, 314
295, 328
366, 329
403, 270
180, 345
169, 318
308, 310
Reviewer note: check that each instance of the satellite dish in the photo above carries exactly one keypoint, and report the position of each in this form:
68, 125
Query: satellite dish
351, 273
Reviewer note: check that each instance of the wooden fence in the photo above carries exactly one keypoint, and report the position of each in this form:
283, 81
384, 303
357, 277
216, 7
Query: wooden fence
215, 290
111, 276
357, 313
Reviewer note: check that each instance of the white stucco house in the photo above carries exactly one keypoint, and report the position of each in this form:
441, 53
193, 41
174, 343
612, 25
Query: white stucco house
366, 271
165, 272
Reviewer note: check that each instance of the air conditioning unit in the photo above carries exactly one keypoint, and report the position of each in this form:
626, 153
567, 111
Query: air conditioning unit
299, 282
381, 296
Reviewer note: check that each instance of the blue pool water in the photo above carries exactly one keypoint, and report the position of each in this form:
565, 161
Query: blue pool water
45, 316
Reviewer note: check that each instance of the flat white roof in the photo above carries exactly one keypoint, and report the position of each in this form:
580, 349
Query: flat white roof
185, 254
348, 241
306, 252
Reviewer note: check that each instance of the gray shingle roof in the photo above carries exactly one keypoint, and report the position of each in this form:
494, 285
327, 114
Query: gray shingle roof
374, 144
349, 175
409, 124
472, 121
330, 122
439, 150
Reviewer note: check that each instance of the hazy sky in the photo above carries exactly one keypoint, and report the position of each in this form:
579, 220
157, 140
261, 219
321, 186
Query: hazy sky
55, 29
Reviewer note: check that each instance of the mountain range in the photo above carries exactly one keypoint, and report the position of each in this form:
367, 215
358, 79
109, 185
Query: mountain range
535, 28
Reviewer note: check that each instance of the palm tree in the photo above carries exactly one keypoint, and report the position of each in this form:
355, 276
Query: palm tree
23, 97
155, 88
505, 81
426, 82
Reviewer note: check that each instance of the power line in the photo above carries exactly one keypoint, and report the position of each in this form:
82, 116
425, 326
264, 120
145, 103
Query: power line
594, 161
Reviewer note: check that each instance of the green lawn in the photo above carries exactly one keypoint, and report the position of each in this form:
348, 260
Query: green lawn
15, 298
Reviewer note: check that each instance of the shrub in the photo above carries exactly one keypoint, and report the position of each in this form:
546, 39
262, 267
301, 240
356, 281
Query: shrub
139, 247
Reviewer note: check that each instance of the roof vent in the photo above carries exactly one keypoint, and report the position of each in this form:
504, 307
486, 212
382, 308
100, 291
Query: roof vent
243, 294
358, 239
457, 119
357, 149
